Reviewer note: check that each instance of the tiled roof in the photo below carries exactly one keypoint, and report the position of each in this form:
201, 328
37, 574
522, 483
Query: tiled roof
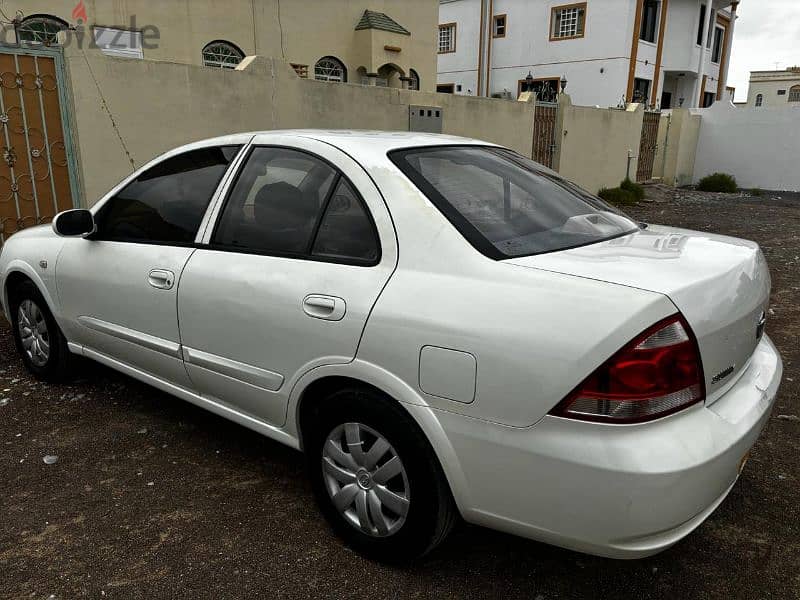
377, 20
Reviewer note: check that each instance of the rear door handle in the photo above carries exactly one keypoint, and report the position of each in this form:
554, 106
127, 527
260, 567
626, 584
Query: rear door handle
329, 308
161, 279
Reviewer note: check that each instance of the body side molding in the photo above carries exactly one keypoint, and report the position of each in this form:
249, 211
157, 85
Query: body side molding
145, 340
241, 371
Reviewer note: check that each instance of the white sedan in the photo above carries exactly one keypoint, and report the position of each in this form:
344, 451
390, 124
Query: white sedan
444, 327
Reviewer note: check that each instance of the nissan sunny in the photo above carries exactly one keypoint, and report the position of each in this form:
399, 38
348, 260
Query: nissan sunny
445, 328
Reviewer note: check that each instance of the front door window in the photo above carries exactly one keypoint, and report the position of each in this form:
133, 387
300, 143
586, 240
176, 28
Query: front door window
166, 204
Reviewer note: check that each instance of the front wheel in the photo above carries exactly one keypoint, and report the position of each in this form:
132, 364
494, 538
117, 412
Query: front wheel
37, 336
376, 478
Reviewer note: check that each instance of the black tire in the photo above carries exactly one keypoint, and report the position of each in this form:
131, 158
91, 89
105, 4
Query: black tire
431, 511
57, 366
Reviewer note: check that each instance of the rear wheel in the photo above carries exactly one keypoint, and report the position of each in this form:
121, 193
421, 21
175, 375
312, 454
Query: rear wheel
376, 478
37, 336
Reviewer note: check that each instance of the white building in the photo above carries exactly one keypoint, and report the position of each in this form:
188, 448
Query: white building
667, 53
774, 88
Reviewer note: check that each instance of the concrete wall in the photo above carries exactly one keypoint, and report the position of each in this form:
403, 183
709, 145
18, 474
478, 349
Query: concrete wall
677, 147
679, 170
302, 32
129, 111
595, 142
662, 141
759, 146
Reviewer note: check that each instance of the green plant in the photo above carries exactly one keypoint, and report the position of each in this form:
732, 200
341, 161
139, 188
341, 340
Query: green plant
718, 182
634, 188
757, 192
617, 196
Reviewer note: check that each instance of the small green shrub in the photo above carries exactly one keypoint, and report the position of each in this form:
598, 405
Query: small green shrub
718, 182
617, 196
634, 188
757, 192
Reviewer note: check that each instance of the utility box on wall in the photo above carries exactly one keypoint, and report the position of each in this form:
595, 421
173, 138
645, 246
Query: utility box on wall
427, 119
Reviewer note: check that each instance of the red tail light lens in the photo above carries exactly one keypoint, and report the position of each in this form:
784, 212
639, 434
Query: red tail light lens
657, 374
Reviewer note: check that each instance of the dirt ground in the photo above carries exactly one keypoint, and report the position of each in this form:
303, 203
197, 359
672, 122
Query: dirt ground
153, 498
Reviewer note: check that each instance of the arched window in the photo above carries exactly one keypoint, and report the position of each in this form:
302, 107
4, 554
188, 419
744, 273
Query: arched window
329, 68
794, 93
759, 100
222, 54
40, 29
414, 83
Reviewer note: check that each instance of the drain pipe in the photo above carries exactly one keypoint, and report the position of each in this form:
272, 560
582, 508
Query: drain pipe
628, 169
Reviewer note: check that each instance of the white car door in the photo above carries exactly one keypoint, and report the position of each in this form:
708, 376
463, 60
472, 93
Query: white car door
302, 247
118, 288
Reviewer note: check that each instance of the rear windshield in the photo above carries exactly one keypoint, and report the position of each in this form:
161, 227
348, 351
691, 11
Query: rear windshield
506, 205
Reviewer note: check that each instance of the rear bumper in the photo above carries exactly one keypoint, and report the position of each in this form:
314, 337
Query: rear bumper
622, 491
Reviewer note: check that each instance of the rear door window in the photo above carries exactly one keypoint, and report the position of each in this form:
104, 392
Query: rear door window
276, 202
290, 203
508, 206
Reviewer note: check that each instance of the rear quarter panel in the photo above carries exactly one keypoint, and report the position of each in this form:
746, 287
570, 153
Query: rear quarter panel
534, 335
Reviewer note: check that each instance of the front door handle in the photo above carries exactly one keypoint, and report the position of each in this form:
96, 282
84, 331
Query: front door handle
161, 279
329, 308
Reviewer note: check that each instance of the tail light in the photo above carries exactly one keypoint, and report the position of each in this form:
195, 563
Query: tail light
657, 374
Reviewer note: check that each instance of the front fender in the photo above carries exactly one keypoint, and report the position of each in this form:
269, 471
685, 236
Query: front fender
34, 253
47, 289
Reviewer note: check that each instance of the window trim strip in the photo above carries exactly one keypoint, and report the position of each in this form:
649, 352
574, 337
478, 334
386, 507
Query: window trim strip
220, 192
321, 215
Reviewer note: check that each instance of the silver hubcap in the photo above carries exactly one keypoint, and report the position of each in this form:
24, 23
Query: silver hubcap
365, 479
33, 333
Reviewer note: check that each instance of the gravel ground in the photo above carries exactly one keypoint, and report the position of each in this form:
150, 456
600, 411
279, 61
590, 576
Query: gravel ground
153, 498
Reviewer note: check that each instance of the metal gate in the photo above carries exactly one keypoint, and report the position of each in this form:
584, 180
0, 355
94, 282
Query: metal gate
648, 146
545, 119
35, 156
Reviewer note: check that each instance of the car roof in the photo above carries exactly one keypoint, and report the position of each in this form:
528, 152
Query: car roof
352, 141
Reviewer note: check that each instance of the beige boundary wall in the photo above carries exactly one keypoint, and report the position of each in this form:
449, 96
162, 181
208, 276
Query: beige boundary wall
595, 142
678, 135
127, 112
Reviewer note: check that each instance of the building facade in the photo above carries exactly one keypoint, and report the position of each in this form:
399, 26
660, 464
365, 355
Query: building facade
774, 88
664, 53
375, 42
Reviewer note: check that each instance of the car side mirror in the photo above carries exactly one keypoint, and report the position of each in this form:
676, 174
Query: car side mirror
73, 223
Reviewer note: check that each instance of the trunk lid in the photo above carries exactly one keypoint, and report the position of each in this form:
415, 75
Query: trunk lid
720, 284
